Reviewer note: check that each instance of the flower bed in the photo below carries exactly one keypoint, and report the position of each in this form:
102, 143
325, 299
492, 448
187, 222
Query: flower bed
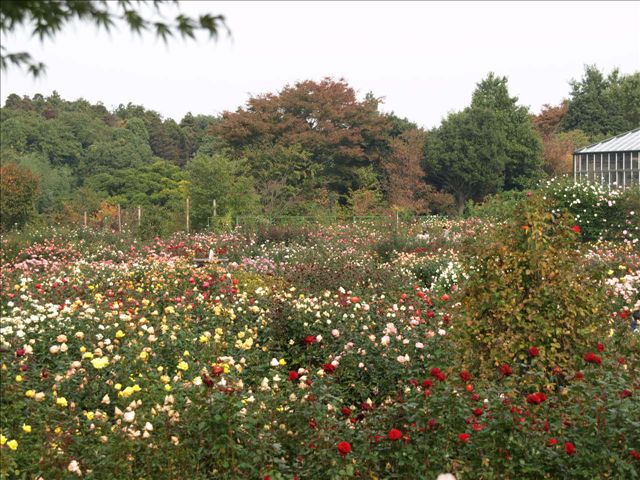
313, 359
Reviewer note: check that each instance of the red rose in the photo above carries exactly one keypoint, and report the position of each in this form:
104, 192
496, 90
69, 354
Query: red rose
293, 375
579, 376
427, 383
355, 300
464, 437
395, 434
505, 370
536, 398
625, 394
600, 347
576, 228
593, 358
635, 454
477, 427
478, 412
570, 448
437, 373
445, 298
465, 376
20, 352
329, 368
309, 339
344, 448
534, 351
622, 360
552, 442
313, 423
346, 411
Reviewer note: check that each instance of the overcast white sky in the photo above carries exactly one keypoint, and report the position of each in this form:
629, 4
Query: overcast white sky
423, 58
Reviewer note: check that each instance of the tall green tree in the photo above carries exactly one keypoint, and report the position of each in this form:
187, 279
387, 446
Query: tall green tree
219, 178
523, 145
466, 155
602, 105
490, 146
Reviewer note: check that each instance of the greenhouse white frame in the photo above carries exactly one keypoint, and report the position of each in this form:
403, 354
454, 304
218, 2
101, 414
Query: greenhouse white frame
613, 162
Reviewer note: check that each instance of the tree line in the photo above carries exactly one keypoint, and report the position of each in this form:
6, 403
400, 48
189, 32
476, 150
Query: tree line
311, 148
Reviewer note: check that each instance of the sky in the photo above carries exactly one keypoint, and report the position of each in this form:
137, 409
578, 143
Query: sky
423, 59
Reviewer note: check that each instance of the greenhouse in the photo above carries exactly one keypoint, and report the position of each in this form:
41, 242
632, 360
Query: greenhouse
612, 162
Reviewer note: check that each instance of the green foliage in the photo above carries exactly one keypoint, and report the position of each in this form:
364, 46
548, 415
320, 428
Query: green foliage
489, 146
218, 178
465, 156
523, 146
498, 207
55, 182
603, 106
46, 19
525, 290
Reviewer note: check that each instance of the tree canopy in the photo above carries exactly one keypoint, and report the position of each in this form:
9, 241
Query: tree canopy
324, 119
489, 146
602, 105
311, 148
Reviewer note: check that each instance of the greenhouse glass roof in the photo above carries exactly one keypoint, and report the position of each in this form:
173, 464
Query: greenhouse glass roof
626, 142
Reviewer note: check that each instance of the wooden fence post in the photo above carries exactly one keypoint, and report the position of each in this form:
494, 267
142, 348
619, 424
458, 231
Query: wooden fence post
119, 220
187, 214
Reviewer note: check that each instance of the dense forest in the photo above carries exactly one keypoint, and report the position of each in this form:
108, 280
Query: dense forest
309, 149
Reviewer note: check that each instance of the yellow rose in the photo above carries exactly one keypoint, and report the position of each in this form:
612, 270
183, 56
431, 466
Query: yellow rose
26, 428
99, 363
12, 444
184, 366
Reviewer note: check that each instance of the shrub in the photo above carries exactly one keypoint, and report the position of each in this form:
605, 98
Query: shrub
525, 290
500, 206
19, 189
601, 214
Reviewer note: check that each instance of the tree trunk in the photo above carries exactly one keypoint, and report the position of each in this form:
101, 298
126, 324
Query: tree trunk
461, 200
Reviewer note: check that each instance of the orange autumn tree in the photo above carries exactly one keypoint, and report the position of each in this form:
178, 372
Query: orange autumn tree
558, 146
334, 133
404, 177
